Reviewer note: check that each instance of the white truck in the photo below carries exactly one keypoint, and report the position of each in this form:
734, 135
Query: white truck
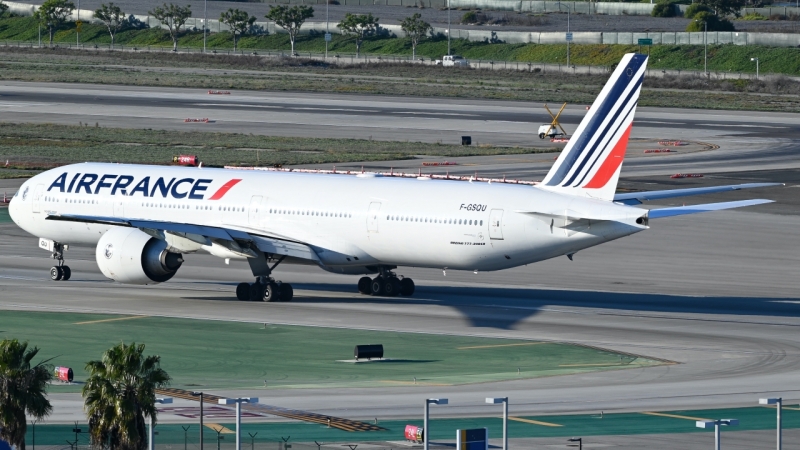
548, 130
452, 61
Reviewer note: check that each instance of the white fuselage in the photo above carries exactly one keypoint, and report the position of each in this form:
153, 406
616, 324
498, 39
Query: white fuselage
348, 220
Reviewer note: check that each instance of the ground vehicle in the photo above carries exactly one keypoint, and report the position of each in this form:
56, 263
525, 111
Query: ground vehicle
452, 61
548, 130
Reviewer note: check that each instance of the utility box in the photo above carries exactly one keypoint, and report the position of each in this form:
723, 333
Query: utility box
466, 140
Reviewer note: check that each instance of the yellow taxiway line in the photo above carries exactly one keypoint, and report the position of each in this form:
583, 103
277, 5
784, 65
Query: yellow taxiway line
674, 416
535, 422
219, 428
110, 320
499, 345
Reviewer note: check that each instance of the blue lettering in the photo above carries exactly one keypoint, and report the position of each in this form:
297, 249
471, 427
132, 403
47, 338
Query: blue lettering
103, 184
60, 182
122, 182
198, 189
164, 188
175, 192
72, 183
86, 182
143, 187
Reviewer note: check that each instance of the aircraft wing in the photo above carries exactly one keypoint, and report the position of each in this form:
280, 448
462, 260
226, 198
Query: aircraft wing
235, 240
692, 209
636, 198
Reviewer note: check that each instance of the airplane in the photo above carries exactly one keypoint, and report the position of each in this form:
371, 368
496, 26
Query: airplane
143, 219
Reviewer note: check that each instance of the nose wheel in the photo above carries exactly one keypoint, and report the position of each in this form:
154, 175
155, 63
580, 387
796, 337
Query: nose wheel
386, 284
59, 272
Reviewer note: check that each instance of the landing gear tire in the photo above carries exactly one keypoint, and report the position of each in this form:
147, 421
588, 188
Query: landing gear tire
270, 293
541, 135
364, 285
243, 291
391, 287
56, 273
377, 287
407, 287
286, 292
67, 273
256, 292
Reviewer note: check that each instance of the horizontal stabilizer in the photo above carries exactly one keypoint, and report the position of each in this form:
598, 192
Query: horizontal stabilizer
681, 210
635, 198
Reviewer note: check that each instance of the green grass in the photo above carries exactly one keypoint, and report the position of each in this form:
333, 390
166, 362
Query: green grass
40, 146
4, 216
753, 418
722, 58
217, 355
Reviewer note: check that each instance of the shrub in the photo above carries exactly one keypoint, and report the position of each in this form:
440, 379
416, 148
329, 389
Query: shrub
752, 16
664, 8
469, 17
694, 9
714, 23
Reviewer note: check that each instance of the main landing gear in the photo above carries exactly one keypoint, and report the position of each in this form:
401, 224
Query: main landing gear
59, 272
265, 288
386, 284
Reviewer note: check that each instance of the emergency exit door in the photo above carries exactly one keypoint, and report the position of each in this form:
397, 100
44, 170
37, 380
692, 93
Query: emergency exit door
254, 211
496, 224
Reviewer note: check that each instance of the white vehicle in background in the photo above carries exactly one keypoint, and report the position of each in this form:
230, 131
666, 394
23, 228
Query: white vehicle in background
452, 61
548, 130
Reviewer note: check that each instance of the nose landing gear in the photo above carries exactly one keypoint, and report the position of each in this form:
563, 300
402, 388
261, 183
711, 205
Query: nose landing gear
387, 283
59, 272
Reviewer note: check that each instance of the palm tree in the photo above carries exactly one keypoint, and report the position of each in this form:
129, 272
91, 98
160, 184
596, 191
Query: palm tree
23, 389
120, 392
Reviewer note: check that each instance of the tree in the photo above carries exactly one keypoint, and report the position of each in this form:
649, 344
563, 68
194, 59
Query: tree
664, 8
120, 392
238, 21
359, 25
713, 23
23, 390
290, 19
725, 7
112, 16
3, 8
415, 29
174, 17
53, 13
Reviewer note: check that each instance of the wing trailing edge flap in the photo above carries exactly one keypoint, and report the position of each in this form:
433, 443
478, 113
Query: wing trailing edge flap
233, 240
636, 198
693, 209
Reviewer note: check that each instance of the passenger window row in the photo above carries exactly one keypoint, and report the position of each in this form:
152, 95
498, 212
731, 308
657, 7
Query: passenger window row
439, 221
310, 213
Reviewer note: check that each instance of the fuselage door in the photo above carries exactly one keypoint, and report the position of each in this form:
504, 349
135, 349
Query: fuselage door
254, 211
37, 198
372, 217
496, 224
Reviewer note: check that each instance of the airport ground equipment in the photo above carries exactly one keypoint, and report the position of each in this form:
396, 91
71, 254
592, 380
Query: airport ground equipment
414, 433
64, 374
552, 129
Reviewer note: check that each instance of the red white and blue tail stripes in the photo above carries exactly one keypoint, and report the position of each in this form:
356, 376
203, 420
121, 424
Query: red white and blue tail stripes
590, 163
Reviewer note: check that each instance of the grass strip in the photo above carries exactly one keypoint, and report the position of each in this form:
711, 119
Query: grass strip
33, 147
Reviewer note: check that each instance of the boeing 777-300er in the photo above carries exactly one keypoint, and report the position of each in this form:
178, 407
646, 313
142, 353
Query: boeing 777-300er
143, 218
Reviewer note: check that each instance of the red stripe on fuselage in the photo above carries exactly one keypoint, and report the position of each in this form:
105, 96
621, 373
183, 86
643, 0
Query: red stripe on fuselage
611, 164
224, 189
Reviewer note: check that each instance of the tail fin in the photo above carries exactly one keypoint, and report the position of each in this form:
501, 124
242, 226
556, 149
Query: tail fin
590, 164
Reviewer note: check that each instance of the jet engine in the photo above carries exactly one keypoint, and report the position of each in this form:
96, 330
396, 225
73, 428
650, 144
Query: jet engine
130, 256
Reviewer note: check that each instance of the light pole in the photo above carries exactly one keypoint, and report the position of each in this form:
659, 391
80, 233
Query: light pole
200, 394
504, 401
77, 30
448, 42
428, 402
578, 440
151, 432
569, 39
705, 46
327, 32
778, 402
716, 424
205, 8
238, 401
756, 60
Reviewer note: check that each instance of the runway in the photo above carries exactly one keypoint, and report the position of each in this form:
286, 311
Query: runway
718, 293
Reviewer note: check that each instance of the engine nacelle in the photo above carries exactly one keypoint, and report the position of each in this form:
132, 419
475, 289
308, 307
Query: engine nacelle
130, 256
